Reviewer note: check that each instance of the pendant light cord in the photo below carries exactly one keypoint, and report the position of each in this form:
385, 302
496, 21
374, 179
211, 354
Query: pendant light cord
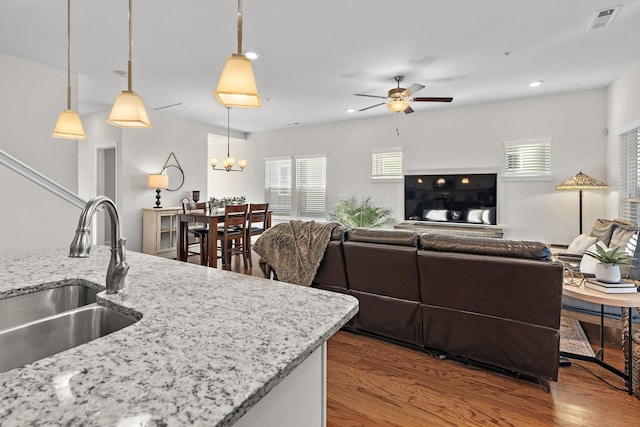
228, 129
239, 27
130, 51
68, 54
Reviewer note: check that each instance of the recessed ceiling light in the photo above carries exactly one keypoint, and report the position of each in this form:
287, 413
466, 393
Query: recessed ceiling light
351, 110
535, 84
251, 55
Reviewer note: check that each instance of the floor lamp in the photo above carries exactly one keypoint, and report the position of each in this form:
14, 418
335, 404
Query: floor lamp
582, 182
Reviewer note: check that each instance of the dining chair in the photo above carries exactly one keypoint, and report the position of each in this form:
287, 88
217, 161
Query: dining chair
232, 234
257, 214
200, 231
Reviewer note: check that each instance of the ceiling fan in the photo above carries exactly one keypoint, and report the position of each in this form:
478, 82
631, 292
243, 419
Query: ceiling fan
398, 99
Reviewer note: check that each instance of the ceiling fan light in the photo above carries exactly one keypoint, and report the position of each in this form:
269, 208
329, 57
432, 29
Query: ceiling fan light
69, 126
129, 112
237, 85
398, 106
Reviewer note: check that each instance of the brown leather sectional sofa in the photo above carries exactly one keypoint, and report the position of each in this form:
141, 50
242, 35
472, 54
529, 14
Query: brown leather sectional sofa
486, 300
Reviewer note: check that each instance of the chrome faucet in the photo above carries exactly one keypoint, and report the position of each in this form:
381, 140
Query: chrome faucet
81, 244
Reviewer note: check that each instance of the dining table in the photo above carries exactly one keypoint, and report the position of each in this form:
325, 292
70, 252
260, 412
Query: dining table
212, 218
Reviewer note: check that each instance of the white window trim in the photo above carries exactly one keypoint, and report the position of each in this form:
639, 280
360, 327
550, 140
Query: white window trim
527, 176
294, 208
387, 178
629, 174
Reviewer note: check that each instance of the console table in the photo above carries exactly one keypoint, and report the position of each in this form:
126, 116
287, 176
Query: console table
627, 301
459, 229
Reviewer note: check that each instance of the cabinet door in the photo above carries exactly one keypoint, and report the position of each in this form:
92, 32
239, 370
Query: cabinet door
166, 231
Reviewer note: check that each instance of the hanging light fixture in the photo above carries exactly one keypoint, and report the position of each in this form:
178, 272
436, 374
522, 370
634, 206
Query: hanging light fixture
128, 110
69, 125
237, 85
229, 162
398, 106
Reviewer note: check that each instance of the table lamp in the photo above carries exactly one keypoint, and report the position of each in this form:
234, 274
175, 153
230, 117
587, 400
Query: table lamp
158, 181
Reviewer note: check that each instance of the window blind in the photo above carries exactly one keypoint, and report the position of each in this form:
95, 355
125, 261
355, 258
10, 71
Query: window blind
386, 164
531, 158
629, 193
311, 186
277, 185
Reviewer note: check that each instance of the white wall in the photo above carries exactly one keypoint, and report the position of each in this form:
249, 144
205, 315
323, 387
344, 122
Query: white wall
460, 139
32, 97
623, 114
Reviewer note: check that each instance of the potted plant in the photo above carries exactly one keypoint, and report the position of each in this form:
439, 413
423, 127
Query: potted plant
354, 213
609, 262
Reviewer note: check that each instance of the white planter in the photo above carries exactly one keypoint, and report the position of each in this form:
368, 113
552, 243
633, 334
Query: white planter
608, 273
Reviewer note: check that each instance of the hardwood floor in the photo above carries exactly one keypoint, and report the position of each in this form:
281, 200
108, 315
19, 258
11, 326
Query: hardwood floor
374, 383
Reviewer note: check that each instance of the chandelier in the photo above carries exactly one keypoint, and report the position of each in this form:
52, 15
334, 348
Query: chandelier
229, 162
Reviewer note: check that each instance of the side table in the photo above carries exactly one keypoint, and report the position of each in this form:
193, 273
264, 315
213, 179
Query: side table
628, 301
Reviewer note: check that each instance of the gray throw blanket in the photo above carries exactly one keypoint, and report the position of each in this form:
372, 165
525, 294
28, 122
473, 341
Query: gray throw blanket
295, 249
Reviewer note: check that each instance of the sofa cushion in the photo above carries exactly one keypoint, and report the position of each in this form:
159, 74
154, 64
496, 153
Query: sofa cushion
383, 236
485, 246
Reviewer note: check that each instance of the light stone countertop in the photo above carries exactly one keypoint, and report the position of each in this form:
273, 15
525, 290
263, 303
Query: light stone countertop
208, 346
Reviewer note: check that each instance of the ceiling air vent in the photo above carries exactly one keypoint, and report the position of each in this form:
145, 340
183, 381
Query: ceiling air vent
603, 18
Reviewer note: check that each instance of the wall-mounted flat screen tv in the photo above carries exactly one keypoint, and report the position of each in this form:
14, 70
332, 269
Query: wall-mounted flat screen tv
461, 198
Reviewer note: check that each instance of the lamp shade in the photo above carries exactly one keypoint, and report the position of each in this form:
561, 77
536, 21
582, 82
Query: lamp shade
398, 106
128, 111
237, 85
158, 181
69, 126
582, 182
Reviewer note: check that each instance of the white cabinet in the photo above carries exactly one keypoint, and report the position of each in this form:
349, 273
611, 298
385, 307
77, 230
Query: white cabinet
160, 231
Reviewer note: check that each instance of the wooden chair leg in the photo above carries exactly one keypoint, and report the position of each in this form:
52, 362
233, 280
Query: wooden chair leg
204, 258
244, 252
248, 250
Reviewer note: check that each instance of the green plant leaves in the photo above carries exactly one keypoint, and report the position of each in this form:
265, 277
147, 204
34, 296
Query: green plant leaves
354, 213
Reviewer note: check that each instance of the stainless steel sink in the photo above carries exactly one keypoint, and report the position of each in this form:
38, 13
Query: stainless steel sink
41, 338
21, 309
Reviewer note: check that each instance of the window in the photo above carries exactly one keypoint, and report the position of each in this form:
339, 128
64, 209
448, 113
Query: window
296, 191
529, 158
386, 164
277, 185
629, 193
311, 186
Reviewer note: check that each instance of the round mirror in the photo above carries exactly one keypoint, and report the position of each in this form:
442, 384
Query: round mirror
176, 177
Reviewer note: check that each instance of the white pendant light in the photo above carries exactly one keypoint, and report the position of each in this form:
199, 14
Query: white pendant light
237, 84
69, 125
128, 110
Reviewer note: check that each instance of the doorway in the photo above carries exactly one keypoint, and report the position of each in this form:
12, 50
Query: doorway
105, 185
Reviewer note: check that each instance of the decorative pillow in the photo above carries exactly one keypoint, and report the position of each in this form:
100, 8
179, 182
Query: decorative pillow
475, 216
489, 216
581, 243
588, 263
625, 239
436, 215
601, 230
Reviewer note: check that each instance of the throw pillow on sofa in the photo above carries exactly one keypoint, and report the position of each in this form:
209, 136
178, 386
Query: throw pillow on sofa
581, 243
588, 263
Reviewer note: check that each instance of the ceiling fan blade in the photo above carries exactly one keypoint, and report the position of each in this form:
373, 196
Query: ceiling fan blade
371, 96
408, 110
367, 108
413, 89
433, 99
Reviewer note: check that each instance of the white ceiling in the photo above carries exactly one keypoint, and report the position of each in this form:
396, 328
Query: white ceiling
315, 55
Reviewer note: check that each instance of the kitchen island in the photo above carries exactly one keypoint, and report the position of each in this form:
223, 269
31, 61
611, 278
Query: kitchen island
210, 347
